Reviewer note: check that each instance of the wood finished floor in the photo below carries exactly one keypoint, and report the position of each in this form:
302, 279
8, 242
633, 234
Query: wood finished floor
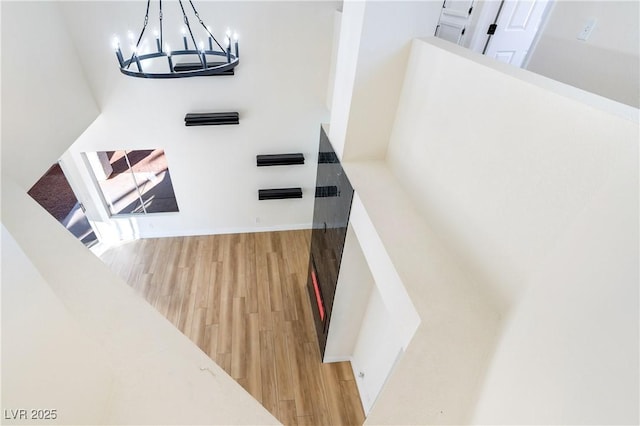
242, 299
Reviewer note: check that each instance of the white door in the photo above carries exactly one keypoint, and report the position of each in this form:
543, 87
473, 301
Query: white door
516, 28
454, 20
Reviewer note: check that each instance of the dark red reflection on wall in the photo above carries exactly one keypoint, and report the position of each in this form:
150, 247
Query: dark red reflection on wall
316, 289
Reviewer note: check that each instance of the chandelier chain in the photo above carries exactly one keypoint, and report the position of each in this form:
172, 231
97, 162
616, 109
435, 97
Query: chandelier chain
144, 27
204, 26
186, 22
161, 36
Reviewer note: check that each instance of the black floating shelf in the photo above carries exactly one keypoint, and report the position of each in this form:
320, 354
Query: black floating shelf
279, 159
279, 193
327, 191
211, 118
193, 66
327, 158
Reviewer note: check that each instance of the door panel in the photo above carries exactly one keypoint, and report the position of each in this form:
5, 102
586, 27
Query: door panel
457, 8
454, 19
450, 32
517, 26
505, 56
521, 16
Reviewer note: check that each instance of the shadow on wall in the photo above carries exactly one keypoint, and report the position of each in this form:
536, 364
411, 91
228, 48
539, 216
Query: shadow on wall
136, 181
159, 198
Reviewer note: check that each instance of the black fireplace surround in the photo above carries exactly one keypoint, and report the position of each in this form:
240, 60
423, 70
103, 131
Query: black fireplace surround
332, 206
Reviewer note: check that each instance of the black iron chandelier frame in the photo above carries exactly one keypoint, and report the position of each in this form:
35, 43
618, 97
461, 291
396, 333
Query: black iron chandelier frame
203, 68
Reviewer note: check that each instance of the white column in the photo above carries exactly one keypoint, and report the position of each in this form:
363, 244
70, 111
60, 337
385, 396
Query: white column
100, 165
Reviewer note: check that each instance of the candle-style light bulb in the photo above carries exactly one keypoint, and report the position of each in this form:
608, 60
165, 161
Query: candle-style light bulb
115, 43
203, 55
184, 37
156, 34
167, 50
134, 51
130, 35
210, 38
235, 38
228, 43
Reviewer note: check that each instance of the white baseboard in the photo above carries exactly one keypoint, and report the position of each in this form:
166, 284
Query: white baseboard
330, 359
219, 231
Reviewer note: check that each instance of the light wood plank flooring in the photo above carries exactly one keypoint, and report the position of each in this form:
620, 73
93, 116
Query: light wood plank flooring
242, 299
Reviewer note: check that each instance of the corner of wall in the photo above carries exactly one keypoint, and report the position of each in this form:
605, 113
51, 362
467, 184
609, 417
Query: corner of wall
59, 99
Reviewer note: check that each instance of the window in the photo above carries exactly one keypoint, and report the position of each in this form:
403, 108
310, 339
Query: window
134, 182
54, 193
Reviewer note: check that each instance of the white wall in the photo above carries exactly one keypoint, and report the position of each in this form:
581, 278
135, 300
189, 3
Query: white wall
337, 20
439, 376
48, 361
74, 337
135, 367
512, 193
372, 55
346, 71
539, 198
608, 63
569, 354
45, 98
372, 362
279, 90
402, 312
366, 312
353, 290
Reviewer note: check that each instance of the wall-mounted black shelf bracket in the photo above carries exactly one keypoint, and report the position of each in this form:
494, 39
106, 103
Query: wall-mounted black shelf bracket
279, 193
211, 118
279, 159
193, 66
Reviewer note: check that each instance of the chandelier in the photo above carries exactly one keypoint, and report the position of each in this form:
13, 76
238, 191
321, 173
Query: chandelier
209, 59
